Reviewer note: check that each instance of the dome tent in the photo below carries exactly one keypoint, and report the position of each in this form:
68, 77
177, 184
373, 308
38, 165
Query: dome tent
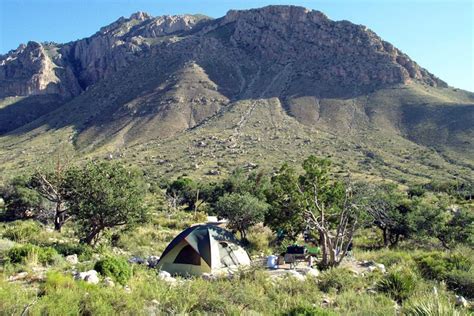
202, 249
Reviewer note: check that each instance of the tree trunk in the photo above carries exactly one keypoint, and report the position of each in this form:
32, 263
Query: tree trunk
59, 219
89, 239
326, 250
385, 238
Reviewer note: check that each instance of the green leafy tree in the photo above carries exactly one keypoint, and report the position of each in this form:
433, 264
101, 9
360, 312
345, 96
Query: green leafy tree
437, 217
241, 210
104, 195
239, 181
285, 214
326, 205
390, 211
20, 200
183, 191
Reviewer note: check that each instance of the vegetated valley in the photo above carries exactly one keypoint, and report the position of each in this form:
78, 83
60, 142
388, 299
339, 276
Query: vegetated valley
294, 128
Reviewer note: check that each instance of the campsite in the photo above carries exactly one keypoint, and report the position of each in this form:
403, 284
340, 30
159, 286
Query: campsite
313, 158
171, 256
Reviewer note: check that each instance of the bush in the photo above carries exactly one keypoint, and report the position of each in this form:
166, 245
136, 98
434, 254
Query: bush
437, 266
32, 253
309, 311
461, 282
338, 279
21, 231
116, 268
259, 238
399, 285
84, 252
430, 304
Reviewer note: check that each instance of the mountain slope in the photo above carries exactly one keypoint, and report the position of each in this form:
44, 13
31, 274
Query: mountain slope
251, 74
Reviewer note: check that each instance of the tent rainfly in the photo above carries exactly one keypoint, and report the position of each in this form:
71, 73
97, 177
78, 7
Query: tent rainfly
202, 249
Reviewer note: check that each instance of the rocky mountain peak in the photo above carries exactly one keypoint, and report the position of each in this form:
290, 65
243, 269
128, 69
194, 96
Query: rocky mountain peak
324, 55
140, 16
280, 13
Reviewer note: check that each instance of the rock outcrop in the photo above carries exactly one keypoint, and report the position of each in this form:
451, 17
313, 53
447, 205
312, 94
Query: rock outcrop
34, 69
68, 69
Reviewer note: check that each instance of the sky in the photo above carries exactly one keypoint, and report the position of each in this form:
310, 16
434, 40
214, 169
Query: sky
437, 34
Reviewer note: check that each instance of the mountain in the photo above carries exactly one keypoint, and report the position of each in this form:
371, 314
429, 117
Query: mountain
191, 94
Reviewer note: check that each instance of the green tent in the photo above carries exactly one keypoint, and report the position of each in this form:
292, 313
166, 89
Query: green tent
202, 249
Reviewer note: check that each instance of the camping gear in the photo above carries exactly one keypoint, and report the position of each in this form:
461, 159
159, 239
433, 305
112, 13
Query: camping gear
272, 262
203, 249
295, 254
295, 249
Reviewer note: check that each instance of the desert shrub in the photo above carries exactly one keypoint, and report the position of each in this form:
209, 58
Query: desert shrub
21, 231
388, 257
338, 279
32, 253
61, 295
430, 304
461, 282
309, 311
399, 284
14, 297
259, 238
437, 266
361, 303
116, 268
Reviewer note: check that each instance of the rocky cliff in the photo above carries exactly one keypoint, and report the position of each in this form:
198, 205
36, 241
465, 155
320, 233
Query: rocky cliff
68, 69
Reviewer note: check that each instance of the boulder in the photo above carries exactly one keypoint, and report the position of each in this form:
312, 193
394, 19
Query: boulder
90, 276
18, 276
166, 276
381, 267
72, 259
307, 271
281, 273
137, 260
152, 261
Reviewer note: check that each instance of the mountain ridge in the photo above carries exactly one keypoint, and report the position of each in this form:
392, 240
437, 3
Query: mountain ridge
148, 79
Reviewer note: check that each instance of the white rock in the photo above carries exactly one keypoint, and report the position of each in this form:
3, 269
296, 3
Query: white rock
461, 301
209, 277
152, 261
381, 267
109, 282
127, 289
88, 276
307, 271
19, 276
286, 273
72, 259
164, 275
136, 260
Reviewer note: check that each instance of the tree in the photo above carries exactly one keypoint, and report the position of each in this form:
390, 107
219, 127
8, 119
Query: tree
326, 205
284, 216
435, 216
104, 195
184, 191
389, 209
242, 211
50, 185
20, 200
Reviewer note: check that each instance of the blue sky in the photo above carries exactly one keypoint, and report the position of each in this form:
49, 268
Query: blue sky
436, 34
